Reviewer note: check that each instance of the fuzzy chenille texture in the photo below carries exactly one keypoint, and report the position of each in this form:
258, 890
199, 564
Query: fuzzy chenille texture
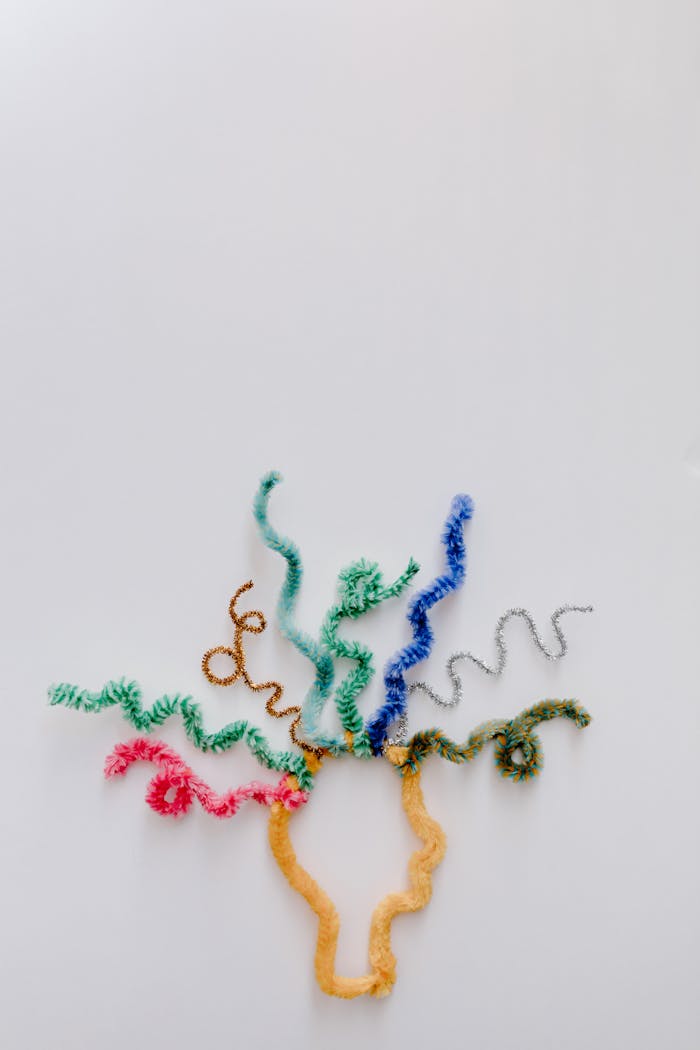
360, 588
173, 789
286, 605
510, 735
382, 976
127, 695
421, 646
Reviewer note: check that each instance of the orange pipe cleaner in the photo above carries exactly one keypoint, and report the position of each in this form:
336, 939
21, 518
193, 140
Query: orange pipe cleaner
420, 867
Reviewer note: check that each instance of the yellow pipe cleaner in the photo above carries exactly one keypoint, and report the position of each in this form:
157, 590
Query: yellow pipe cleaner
420, 867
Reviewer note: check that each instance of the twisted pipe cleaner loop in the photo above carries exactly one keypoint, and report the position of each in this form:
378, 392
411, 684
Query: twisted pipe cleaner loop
254, 622
173, 789
510, 735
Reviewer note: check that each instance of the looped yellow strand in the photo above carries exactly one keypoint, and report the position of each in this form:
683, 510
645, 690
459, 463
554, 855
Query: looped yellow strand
420, 866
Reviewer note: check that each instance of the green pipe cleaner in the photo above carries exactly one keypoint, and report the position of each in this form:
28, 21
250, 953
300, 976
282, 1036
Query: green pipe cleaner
360, 588
127, 695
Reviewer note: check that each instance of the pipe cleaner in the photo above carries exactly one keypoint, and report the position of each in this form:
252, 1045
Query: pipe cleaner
420, 648
510, 735
255, 622
175, 786
420, 867
127, 695
303, 642
360, 588
177, 779
502, 659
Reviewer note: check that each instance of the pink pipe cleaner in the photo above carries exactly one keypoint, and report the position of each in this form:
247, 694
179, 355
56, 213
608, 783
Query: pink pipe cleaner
177, 780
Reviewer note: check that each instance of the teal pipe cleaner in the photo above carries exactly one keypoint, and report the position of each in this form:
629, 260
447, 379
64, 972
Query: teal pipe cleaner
127, 695
303, 642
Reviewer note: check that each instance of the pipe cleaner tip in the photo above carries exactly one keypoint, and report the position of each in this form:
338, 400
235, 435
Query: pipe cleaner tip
115, 765
462, 506
269, 480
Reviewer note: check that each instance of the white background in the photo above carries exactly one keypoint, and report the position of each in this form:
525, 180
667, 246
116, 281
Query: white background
396, 250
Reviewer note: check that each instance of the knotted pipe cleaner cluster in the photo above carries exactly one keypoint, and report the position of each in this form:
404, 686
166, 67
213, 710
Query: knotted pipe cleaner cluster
175, 786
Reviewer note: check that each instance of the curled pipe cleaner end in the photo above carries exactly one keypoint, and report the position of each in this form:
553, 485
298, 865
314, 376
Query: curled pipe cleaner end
462, 506
510, 736
269, 480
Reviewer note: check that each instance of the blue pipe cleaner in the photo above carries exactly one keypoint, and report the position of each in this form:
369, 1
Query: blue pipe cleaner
419, 649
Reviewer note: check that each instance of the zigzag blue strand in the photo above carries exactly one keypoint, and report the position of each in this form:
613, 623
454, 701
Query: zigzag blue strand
420, 648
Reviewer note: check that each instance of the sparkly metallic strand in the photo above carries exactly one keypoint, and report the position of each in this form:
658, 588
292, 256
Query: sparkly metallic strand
502, 653
400, 737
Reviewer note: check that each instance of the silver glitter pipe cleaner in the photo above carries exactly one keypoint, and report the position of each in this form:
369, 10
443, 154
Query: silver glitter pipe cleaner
502, 652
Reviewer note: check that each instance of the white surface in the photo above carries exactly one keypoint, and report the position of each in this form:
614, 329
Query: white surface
395, 250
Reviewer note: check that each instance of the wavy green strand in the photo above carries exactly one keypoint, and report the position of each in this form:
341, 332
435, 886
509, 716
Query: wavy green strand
360, 589
127, 695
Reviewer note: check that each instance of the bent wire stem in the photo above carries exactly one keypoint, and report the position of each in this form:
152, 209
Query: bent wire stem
510, 735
